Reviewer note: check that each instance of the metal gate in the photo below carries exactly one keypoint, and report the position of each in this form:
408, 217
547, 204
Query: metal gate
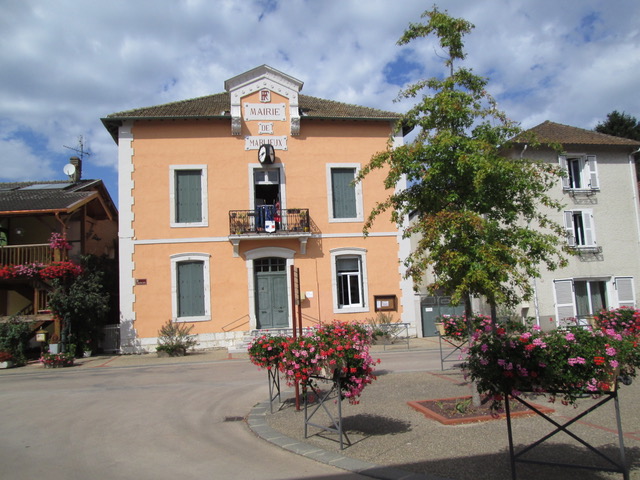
110, 339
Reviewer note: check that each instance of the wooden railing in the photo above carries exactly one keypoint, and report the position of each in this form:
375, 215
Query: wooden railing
24, 254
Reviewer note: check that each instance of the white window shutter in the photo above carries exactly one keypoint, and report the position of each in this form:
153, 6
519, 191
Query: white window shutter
589, 231
563, 165
593, 171
568, 225
565, 300
625, 292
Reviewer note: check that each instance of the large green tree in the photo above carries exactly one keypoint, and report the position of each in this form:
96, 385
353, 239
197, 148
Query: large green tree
620, 125
477, 214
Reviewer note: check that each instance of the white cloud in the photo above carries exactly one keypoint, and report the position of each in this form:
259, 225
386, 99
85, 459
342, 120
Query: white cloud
68, 63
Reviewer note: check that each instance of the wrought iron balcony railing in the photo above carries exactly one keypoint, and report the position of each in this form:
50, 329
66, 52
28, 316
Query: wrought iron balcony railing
268, 219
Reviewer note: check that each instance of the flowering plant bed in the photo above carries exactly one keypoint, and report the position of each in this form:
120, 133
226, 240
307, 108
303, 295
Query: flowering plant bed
565, 363
57, 360
460, 410
40, 270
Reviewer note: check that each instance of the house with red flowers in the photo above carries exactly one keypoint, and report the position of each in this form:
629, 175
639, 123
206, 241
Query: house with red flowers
45, 227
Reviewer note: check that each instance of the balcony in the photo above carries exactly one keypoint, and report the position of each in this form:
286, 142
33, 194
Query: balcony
25, 254
267, 222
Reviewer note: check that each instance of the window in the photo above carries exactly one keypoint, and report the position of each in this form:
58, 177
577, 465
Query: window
579, 228
579, 297
190, 287
349, 280
345, 198
188, 196
591, 297
581, 172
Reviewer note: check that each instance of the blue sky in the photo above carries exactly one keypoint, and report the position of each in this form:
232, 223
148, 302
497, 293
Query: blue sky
68, 63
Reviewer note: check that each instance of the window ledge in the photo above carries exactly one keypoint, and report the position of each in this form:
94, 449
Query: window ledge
351, 310
587, 249
581, 191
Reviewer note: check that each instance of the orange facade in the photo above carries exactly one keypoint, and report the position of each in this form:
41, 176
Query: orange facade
342, 273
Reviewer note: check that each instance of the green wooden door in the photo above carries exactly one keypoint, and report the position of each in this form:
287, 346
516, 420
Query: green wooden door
272, 305
432, 308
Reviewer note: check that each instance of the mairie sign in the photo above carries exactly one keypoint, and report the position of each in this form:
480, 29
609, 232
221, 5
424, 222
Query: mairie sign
265, 111
253, 143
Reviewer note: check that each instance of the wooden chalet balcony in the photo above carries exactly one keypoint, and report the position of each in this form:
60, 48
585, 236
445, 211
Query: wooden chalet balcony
267, 222
24, 254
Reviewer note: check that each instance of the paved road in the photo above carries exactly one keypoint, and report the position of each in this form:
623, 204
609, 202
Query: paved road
159, 422
153, 421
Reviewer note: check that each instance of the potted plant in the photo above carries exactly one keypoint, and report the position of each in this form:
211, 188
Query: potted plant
266, 351
6, 360
563, 363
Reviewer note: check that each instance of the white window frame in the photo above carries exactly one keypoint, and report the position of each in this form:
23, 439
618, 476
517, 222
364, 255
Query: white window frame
364, 279
588, 228
186, 257
358, 191
282, 185
588, 171
620, 293
172, 196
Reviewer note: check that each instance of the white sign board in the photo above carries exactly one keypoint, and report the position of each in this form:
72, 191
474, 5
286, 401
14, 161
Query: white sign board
253, 143
265, 111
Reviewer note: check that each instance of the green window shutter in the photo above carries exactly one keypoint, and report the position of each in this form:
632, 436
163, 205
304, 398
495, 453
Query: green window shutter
190, 276
188, 192
343, 192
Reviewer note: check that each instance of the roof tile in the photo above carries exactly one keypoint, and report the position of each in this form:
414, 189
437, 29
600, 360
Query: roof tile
550, 132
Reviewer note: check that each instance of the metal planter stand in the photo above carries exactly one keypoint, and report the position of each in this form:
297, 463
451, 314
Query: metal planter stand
324, 399
457, 347
618, 466
274, 386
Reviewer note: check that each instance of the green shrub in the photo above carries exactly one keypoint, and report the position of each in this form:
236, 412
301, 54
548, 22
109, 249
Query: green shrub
175, 338
14, 339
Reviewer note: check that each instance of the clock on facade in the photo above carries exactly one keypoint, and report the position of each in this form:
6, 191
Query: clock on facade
266, 154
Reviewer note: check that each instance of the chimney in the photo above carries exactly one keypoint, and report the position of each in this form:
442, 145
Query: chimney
76, 162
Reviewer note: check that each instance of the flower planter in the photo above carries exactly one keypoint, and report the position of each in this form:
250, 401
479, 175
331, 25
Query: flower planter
440, 327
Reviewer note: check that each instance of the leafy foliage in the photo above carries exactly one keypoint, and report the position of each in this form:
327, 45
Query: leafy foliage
14, 339
477, 213
82, 302
620, 125
175, 338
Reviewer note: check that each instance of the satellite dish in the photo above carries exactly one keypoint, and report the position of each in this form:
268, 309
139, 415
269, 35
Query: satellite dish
69, 169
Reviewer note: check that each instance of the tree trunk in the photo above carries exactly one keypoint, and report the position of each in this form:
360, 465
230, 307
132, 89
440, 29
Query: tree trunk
468, 312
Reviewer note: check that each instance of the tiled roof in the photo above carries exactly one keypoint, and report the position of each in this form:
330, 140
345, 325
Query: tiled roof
43, 196
550, 132
219, 106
